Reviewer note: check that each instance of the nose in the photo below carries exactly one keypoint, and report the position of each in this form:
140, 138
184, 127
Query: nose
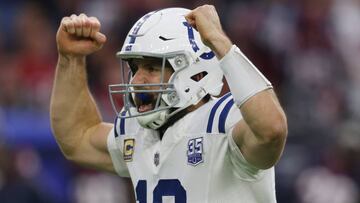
139, 77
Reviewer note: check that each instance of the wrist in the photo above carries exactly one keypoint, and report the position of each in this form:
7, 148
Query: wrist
243, 78
220, 44
64, 60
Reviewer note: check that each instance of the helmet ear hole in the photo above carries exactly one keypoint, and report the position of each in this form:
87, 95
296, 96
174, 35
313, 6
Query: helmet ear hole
171, 43
199, 76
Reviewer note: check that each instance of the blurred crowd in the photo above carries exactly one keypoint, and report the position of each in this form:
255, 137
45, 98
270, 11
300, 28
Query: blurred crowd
309, 49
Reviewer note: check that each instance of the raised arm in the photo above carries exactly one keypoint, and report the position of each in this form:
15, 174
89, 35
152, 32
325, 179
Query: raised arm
75, 119
261, 135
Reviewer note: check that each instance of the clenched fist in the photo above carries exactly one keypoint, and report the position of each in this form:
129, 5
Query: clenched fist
79, 35
206, 21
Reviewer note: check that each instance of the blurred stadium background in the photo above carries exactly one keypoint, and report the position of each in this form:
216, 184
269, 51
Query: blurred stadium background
309, 49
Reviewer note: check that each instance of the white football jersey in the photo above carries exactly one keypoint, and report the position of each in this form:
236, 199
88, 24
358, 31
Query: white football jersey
196, 161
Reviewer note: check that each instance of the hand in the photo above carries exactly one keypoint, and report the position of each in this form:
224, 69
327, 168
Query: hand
79, 36
206, 21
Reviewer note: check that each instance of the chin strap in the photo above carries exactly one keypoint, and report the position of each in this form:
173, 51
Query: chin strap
154, 120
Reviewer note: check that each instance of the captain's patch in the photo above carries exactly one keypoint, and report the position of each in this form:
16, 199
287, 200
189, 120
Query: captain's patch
129, 145
195, 151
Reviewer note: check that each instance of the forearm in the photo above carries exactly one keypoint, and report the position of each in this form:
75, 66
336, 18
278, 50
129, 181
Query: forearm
262, 133
265, 117
256, 106
72, 108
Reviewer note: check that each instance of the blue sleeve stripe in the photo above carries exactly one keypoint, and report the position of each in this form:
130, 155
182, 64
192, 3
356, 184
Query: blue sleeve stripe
213, 111
223, 116
115, 125
122, 123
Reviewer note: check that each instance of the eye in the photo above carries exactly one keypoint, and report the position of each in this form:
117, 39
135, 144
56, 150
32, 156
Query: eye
152, 68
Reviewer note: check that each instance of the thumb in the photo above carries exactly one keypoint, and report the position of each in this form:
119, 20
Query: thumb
100, 38
190, 18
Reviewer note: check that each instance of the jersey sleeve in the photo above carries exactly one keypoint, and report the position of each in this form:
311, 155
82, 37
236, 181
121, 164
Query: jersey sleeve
116, 154
228, 115
242, 168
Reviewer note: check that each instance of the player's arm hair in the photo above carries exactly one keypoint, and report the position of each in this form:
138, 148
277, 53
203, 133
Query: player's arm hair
261, 135
75, 120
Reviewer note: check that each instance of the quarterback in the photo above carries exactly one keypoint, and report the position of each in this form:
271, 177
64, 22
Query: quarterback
172, 136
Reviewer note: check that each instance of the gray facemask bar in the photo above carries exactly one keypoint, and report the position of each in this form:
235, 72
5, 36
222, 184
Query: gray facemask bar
128, 89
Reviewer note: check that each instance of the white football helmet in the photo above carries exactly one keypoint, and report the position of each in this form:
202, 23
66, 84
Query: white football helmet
165, 34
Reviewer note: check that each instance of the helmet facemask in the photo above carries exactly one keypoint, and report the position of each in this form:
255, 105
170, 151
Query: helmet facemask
152, 103
165, 35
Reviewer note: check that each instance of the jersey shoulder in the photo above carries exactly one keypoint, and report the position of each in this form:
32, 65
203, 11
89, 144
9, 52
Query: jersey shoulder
119, 144
218, 115
125, 126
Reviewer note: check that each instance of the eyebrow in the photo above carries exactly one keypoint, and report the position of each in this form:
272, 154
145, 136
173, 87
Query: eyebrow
152, 62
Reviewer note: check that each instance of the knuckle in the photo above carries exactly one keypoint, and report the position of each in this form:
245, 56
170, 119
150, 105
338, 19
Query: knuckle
96, 25
64, 19
77, 25
64, 22
87, 23
208, 7
94, 20
83, 18
78, 20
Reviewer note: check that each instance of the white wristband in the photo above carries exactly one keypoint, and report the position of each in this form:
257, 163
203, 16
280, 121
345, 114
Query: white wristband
244, 79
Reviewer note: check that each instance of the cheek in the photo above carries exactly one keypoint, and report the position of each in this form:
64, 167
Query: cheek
167, 75
156, 77
141, 77
135, 79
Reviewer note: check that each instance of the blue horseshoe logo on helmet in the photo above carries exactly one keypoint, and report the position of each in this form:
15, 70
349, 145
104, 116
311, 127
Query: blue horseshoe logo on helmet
205, 55
134, 33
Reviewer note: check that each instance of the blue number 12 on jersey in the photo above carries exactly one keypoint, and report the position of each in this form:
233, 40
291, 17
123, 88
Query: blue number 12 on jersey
165, 187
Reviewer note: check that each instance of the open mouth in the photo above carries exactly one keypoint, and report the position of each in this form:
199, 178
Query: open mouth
145, 102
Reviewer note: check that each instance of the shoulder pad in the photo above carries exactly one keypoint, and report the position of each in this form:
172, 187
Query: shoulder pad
222, 109
125, 126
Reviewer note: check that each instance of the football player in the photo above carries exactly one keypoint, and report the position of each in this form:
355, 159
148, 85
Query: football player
172, 136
